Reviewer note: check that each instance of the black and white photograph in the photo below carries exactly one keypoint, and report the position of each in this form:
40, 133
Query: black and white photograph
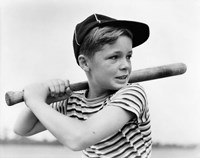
99, 79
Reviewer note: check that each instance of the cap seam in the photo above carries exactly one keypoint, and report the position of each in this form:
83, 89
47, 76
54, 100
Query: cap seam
99, 21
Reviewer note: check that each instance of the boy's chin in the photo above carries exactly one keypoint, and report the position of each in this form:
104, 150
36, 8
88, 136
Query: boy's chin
119, 86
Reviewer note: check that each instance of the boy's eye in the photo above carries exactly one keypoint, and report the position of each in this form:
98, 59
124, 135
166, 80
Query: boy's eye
114, 57
129, 56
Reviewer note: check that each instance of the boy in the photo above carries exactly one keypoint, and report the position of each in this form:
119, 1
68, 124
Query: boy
109, 119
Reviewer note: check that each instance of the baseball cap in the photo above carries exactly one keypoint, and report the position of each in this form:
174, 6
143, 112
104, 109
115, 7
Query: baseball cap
140, 31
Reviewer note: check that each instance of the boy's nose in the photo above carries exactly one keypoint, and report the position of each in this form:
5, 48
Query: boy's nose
125, 64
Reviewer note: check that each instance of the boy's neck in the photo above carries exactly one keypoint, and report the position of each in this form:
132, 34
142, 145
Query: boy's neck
92, 93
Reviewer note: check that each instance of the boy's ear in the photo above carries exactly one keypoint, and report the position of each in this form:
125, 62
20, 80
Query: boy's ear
83, 62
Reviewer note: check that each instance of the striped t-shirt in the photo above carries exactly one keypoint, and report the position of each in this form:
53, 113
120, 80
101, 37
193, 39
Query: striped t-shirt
133, 140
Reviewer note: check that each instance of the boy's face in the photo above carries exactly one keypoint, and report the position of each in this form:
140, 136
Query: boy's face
110, 67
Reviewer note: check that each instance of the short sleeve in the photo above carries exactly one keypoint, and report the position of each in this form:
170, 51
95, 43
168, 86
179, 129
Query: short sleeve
131, 98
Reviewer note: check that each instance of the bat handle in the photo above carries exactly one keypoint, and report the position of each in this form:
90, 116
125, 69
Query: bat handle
12, 97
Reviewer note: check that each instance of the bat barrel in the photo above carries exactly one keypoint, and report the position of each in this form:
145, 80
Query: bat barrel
158, 72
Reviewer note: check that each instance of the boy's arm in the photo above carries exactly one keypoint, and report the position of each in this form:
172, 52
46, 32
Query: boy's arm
27, 124
71, 132
76, 134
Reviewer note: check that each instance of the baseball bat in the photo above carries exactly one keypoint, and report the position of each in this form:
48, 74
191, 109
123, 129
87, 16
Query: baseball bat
14, 97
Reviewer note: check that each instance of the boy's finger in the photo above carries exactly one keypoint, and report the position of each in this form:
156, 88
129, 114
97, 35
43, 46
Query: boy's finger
68, 91
61, 85
57, 85
67, 84
51, 89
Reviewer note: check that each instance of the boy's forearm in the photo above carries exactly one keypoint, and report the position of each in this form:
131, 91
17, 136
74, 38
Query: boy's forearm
67, 130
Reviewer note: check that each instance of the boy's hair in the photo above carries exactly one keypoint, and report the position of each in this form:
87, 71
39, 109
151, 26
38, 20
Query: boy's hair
99, 36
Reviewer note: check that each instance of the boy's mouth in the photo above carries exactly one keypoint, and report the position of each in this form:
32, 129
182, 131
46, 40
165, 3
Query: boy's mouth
123, 77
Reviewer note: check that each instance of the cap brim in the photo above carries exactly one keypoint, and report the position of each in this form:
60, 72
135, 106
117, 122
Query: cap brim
140, 31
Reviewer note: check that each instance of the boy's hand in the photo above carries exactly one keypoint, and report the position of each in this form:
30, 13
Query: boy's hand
39, 92
58, 88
